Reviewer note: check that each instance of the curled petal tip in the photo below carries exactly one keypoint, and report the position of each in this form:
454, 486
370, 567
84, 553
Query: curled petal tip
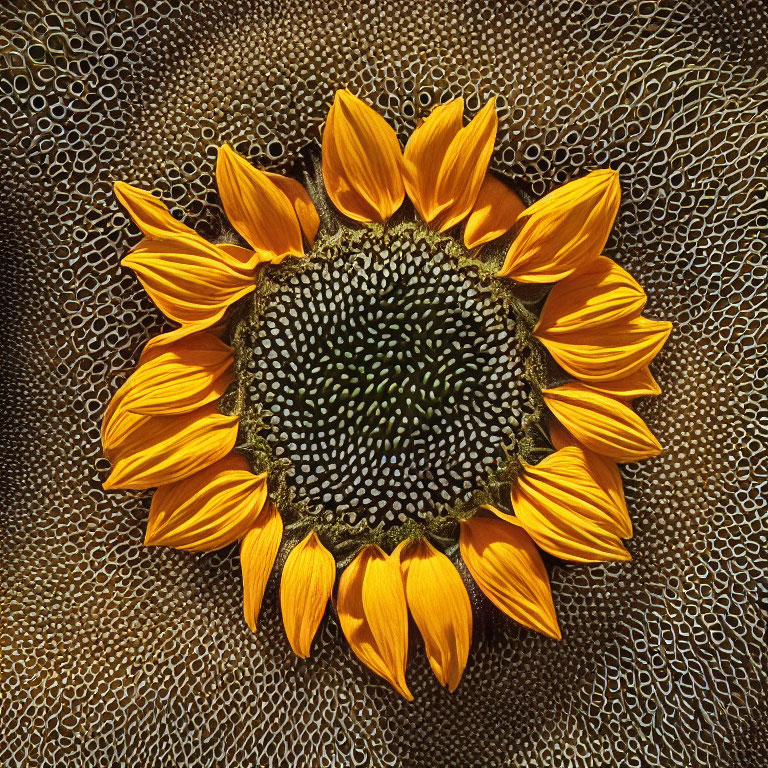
150, 214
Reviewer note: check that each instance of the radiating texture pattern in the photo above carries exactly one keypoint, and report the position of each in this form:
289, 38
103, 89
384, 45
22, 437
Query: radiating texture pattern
113, 654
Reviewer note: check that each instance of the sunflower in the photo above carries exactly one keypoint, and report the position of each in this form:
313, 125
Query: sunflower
416, 397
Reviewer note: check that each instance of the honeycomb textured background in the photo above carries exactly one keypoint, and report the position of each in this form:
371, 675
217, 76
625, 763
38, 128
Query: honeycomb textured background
116, 655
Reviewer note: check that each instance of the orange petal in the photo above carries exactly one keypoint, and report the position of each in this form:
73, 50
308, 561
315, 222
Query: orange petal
117, 422
157, 344
208, 510
603, 471
608, 353
244, 258
495, 211
440, 607
638, 384
189, 279
187, 374
150, 215
508, 569
564, 230
361, 161
599, 294
302, 204
158, 450
560, 437
603, 424
256, 208
464, 165
184, 353
305, 588
424, 154
258, 550
371, 594
567, 503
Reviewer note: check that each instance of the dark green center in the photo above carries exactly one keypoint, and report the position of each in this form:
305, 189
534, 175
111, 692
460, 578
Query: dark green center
386, 374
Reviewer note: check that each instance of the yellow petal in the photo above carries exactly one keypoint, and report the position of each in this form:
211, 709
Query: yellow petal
362, 590
117, 422
158, 450
256, 208
258, 550
560, 437
599, 294
508, 569
610, 352
302, 204
189, 279
568, 506
424, 154
189, 373
638, 384
150, 215
463, 168
603, 471
157, 344
386, 612
602, 423
495, 211
183, 352
440, 607
305, 588
208, 510
564, 230
362, 161
244, 258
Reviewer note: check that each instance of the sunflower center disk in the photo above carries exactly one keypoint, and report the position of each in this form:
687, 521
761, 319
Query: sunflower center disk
388, 376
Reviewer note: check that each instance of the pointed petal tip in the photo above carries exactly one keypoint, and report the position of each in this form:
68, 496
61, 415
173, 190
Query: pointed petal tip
402, 689
345, 95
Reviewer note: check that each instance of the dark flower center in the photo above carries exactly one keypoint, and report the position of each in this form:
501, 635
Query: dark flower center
388, 376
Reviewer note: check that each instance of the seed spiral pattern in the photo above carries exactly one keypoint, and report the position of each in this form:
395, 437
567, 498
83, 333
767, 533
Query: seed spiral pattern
388, 377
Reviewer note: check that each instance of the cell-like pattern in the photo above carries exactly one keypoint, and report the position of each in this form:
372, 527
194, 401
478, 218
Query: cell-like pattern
116, 655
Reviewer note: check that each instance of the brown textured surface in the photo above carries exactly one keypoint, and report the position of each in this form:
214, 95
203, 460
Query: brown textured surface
115, 655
